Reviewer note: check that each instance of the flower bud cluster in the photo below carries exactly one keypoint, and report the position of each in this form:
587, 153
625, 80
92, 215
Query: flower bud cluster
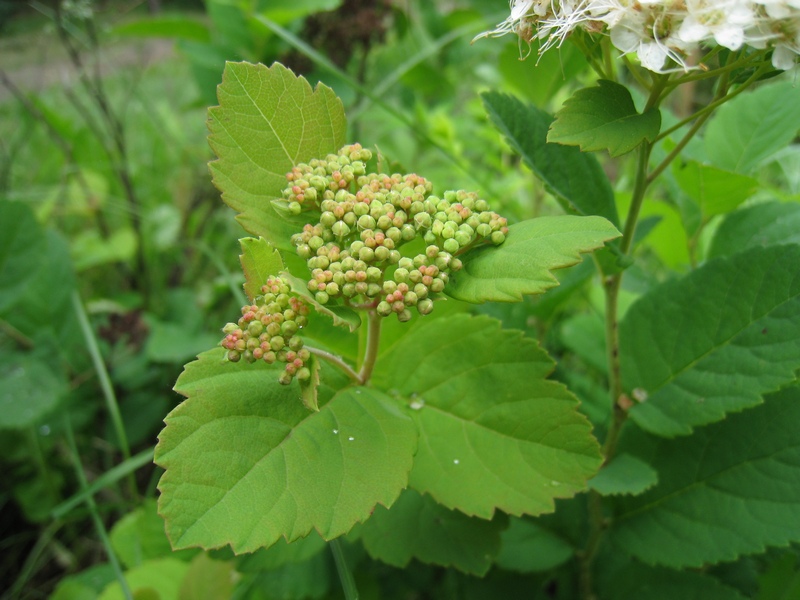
321, 179
353, 252
268, 331
664, 34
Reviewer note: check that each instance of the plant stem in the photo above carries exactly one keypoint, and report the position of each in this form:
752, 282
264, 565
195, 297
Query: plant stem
90, 503
337, 361
105, 383
373, 341
345, 576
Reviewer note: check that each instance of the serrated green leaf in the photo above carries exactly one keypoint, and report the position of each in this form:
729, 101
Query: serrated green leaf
523, 263
417, 527
753, 126
657, 583
625, 474
727, 490
246, 463
604, 118
575, 178
342, 316
494, 433
715, 341
767, 224
260, 260
21, 250
267, 121
529, 548
716, 191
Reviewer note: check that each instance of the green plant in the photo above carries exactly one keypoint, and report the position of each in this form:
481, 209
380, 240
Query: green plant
451, 414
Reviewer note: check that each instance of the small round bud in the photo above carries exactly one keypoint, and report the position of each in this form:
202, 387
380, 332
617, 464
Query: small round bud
425, 306
451, 246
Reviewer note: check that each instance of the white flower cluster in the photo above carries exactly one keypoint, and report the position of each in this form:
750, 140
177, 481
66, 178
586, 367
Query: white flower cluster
663, 33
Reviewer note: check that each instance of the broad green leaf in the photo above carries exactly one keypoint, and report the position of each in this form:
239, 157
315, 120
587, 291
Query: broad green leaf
159, 578
281, 554
31, 388
540, 80
657, 583
417, 527
268, 120
246, 463
342, 315
766, 224
43, 310
85, 585
575, 178
260, 260
88, 249
753, 126
584, 334
21, 250
494, 432
713, 342
603, 117
208, 579
139, 536
529, 547
715, 190
781, 581
307, 580
625, 474
727, 490
523, 263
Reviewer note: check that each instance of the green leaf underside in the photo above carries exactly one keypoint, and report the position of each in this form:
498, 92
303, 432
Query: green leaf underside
625, 474
342, 316
494, 433
603, 117
575, 178
717, 500
716, 191
522, 264
417, 527
765, 224
657, 583
715, 341
246, 463
268, 120
260, 260
530, 548
754, 126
